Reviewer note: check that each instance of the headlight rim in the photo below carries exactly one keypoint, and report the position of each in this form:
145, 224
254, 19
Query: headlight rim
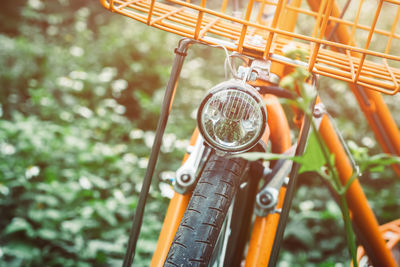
249, 90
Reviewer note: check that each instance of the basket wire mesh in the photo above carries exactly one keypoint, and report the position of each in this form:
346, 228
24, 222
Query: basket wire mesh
367, 54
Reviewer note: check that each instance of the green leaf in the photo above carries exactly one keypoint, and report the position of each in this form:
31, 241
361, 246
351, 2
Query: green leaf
378, 162
73, 226
21, 250
107, 214
47, 199
313, 158
288, 82
96, 246
47, 234
19, 224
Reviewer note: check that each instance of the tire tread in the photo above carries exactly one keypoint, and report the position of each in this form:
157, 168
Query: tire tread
202, 221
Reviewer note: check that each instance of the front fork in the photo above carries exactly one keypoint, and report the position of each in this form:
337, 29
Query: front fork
263, 250
280, 141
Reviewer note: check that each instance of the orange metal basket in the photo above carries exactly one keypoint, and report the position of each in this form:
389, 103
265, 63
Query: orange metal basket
368, 57
391, 233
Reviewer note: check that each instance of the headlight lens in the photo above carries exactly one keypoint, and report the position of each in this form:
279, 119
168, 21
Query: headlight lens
232, 117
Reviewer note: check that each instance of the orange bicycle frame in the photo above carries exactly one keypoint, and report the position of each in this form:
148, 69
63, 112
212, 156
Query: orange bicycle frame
264, 229
347, 63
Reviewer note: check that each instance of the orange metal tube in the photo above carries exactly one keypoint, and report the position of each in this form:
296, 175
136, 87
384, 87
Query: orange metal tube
150, 12
261, 11
264, 228
199, 20
280, 134
343, 21
224, 6
274, 23
392, 31
371, 32
320, 24
151, 23
362, 214
105, 4
286, 24
262, 237
176, 209
244, 26
378, 105
178, 28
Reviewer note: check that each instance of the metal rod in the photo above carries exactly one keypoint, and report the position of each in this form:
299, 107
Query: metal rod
162, 122
378, 123
289, 193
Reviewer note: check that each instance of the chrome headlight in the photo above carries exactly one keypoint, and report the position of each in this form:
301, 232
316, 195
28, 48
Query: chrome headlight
232, 117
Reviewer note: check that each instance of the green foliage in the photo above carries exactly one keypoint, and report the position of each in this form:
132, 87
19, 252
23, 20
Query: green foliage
80, 95
313, 158
74, 95
80, 99
314, 235
317, 159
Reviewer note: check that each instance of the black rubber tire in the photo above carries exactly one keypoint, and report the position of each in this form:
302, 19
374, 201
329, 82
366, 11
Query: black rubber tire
201, 224
242, 212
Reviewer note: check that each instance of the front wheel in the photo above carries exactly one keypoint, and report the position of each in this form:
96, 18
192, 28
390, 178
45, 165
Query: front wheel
201, 224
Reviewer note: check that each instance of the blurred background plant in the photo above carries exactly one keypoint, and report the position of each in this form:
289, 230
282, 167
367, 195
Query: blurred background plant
80, 95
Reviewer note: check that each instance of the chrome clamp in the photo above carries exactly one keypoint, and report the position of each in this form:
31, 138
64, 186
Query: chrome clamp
186, 174
262, 67
267, 198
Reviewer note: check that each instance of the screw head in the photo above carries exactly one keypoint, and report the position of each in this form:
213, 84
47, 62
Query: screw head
265, 199
185, 178
319, 111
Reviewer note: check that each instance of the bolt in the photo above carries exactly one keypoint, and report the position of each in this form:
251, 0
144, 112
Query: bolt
185, 178
266, 199
319, 111
253, 76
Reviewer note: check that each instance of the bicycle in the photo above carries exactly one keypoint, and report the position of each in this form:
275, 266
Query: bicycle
209, 178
